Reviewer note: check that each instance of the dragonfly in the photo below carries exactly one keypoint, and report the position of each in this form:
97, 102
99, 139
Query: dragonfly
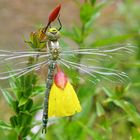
58, 86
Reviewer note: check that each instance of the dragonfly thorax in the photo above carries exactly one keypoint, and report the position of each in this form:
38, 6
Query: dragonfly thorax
53, 34
54, 49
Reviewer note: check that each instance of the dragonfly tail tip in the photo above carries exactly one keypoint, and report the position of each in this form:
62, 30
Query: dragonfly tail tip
44, 130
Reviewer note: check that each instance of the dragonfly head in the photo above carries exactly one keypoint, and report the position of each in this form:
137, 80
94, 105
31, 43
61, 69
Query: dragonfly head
53, 34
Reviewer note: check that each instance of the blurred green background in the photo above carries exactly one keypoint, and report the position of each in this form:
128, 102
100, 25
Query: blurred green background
110, 112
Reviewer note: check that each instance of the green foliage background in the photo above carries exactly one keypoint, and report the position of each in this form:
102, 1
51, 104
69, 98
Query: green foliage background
110, 112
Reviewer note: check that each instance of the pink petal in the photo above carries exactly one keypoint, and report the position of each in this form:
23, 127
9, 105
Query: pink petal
60, 79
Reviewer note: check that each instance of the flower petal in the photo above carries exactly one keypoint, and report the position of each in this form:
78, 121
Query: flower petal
54, 13
60, 79
63, 102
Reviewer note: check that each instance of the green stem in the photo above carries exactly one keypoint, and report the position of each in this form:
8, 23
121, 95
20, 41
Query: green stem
80, 56
19, 137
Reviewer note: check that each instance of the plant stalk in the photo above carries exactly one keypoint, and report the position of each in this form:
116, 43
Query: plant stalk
19, 137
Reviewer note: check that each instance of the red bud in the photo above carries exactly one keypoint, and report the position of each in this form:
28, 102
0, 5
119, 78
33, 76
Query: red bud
60, 79
54, 13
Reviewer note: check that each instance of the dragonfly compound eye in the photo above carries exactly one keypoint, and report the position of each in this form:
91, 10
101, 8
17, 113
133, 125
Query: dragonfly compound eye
53, 34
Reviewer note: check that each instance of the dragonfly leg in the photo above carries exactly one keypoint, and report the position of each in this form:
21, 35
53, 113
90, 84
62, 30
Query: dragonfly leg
59, 24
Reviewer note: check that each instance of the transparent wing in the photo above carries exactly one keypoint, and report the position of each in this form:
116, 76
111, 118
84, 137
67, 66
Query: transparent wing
105, 51
92, 62
19, 72
11, 55
17, 61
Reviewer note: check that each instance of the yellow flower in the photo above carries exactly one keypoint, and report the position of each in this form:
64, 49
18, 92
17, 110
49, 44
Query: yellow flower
63, 102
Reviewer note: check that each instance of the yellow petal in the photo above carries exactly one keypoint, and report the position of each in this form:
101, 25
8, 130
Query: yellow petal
63, 102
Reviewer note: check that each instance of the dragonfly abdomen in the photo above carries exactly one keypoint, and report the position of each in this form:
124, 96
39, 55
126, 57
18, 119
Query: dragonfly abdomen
51, 68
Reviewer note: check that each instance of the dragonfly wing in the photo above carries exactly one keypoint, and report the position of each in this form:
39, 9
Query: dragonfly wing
97, 73
11, 55
107, 52
98, 55
18, 61
21, 71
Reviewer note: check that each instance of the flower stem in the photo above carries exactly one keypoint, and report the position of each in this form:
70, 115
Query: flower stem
19, 137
